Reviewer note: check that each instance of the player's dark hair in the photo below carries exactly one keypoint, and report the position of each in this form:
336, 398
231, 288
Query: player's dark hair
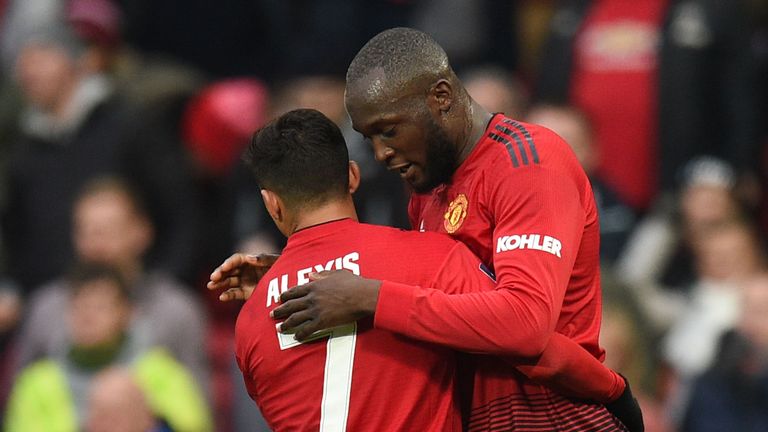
403, 54
85, 273
302, 157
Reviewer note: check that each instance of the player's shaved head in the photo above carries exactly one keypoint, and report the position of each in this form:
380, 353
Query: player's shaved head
404, 97
301, 156
395, 61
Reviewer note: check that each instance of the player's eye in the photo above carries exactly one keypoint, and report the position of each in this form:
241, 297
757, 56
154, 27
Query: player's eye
389, 133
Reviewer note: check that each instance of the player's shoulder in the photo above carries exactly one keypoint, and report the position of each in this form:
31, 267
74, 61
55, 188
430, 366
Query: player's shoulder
519, 147
249, 313
410, 243
409, 236
247, 326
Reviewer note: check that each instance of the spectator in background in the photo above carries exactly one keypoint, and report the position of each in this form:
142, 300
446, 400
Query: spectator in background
616, 218
733, 394
471, 31
218, 121
627, 343
658, 260
663, 81
725, 258
10, 315
216, 125
264, 38
116, 403
496, 89
19, 17
52, 394
111, 227
324, 93
75, 128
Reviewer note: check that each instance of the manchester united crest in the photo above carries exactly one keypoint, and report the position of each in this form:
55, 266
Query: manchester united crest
457, 211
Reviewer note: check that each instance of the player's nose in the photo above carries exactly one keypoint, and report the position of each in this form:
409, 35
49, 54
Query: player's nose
381, 152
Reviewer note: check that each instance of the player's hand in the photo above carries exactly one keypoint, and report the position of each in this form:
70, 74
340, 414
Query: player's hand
238, 275
626, 409
330, 299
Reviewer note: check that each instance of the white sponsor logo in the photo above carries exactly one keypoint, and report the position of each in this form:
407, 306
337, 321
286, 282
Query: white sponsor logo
529, 241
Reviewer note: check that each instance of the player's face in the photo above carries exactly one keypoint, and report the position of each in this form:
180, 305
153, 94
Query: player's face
407, 140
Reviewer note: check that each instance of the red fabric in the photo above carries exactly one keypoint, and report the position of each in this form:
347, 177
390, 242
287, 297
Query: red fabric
97, 21
220, 120
3, 5
397, 383
519, 180
615, 83
563, 366
551, 198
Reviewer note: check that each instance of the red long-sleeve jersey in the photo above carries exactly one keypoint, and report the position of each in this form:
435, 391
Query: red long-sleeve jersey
524, 205
355, 377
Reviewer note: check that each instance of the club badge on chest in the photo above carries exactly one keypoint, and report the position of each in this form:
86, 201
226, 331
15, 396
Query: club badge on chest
456, 213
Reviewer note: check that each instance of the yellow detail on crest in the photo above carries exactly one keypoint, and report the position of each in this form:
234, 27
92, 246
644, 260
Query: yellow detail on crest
457, 212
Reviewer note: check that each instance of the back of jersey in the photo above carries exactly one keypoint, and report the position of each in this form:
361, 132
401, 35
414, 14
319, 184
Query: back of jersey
351, 377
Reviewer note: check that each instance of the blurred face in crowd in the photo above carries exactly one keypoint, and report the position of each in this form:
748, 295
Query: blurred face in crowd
98, 313
108, 229
325, 94
572, 127
117, 404
405, 136
495, 95
47, 75
705, 205
728, 252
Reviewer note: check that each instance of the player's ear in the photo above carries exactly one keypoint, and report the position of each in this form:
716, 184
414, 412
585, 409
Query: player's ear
440, 97
273, 204
354, 176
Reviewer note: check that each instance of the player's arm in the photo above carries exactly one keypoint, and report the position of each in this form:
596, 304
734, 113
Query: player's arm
538, 226
517, 319
563, 365
468, 317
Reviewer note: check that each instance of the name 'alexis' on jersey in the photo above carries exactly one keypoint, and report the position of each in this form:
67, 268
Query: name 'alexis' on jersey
529, 241
280, 284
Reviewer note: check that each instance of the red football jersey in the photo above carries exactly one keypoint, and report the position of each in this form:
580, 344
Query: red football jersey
523, 204
354, 377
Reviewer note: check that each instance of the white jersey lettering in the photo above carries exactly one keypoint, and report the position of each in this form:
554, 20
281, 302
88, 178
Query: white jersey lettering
280, 285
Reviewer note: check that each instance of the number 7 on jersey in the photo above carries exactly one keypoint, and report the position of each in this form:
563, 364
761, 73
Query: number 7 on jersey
337, 382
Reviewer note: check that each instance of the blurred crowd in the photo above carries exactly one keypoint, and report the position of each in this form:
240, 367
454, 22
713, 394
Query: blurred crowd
121, 126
